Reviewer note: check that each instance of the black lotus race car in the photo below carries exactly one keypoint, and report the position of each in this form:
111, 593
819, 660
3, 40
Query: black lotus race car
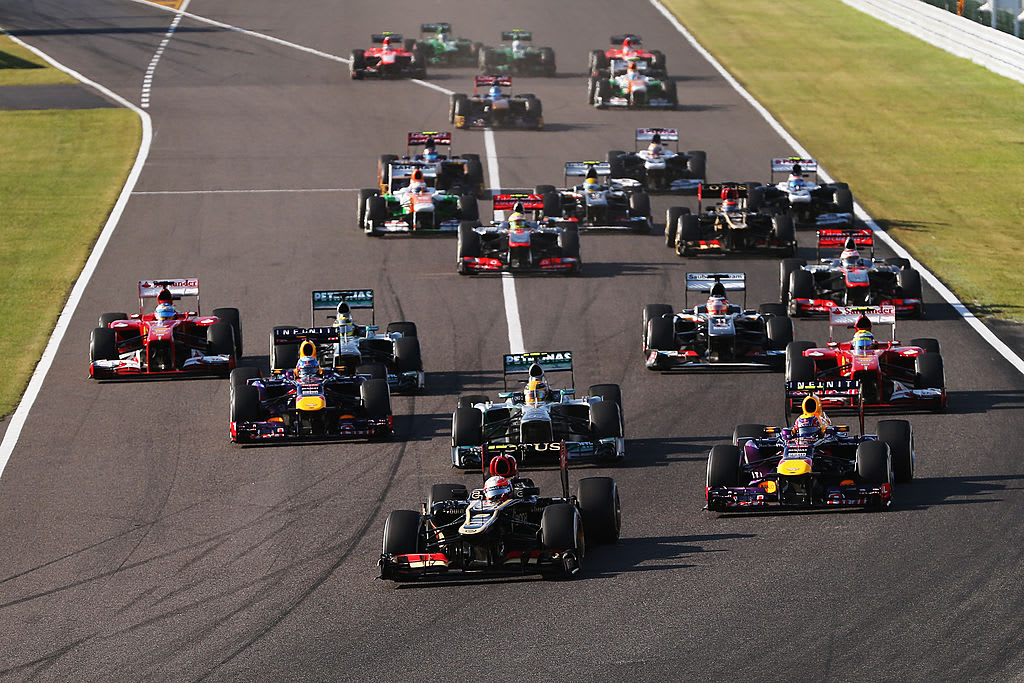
506, 526
517, 55
729, 226
494, 108
658, 167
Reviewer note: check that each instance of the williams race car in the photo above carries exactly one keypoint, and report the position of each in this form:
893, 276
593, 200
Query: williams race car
166, 341
628, 84
505, 526
455, 174
517, 56
629, 48
494, 108
615, 204
657, 167
391, 60
718, 334
535, 420
728, 227
811, 204
440, 47
415, 208
890, 375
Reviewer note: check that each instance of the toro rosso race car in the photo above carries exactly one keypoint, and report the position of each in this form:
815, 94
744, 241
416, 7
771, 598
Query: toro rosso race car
850, 279
494, 108
814, 464
614, 204
165, 342
535, 420
657, 167
455, 174
629, 84
728, 226
440, 47
889, 375
718, 334
391, 60
413, 208
516, 55
811, 204
629, 48
505, 526
518, 245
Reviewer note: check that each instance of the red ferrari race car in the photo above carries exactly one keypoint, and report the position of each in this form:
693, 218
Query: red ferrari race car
391, 60
890, 374
629, 48
166, 341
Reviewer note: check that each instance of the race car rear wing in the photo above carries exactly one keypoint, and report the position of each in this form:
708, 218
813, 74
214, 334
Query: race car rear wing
323, 337
328, 299
579, 169
647, 134
419, 138
549, 361
787, 165
488, 81
704, 282
437, 27
848, 389
378, 38
507, 202
516, 34
617, 66
178, 288
850, 317
835, 238
717, 191
619, 40
489, 450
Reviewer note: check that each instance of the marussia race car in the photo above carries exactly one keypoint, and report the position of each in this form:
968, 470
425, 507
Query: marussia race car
729, 226
506, 526
630, 84
616, 204
658, 168
718, 334
810, 204
440, 48
547, 246
516, 56
165, 342
849, 280
390, 60
462, 174
535, 420
814, 464
414, 208
890, 375
297, 404
494, 108
629, 47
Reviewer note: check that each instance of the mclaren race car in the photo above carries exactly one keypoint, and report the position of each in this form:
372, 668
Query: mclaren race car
391, 60
600, 201
517, 56
414, 207
494, 108
658, 167
629, 47
812, 205
440, 47
455, 174
629, 84
729, 226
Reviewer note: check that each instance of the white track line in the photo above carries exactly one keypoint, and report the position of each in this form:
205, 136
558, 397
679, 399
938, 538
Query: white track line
35, 383
147, 80
947, 295
309, 189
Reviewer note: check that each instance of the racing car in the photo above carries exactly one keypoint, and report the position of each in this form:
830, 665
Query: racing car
166, 341
659, 168
890, 375
850, 279
729, 226
535, 420
455, 174
494, 108
811, 204
516, 55
629, 47
505, 526
615, 204
391, 60
519, 245
814, 464
718, 334
414, 208
307, 402
441, 48
628, 84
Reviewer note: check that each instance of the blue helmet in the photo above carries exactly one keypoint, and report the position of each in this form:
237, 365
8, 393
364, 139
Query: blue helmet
863, 342
165, 311
807, 425
495, 91
307, 368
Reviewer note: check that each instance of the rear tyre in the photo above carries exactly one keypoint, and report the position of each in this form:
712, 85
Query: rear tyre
467, 427
899, 436
103, 344
407, 354
232, 317
376, 397
599, 505
671, 93
457, 104
402, 533
283, 356
787, 266
723, 466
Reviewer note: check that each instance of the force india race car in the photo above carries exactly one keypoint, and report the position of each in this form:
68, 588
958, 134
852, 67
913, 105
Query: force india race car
462, 174
810, 204
307, 402
517, 56
505, 526
415, 208
391, 60
889, 374
813, 464
166, 341
494, 108
729, 226
658, 168
547, 246
630, 84
629, 47
439, 47
718, 334
536, 420
615, 204
849, 280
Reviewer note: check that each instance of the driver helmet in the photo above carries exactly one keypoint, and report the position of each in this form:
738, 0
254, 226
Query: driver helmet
655, 147
807, 426
730, 204
863, 342
386, 44
517, 220
429, 151
517, 45
343, 320
717, 305
164, 311
497, 489
417, 184
307, 368
631, 69
796, 182
629, 45
536, 392
849, 258
494, 92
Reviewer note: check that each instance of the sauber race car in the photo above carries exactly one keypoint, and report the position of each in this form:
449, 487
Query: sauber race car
849, 280
890, 375
414, 208
814, 464
391, 60
629, 48
717, 334
811, 204
536, 419
657, 167
494, 108
308, 401
729, 226
629, 84
519, 245
455, 174
505, 526
440, 47
614, 204
167, 341
516, 55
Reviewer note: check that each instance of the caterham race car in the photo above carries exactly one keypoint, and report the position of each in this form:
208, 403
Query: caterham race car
517, 56
440, 47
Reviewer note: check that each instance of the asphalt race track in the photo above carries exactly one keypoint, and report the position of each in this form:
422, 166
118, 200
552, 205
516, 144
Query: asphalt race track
138, 543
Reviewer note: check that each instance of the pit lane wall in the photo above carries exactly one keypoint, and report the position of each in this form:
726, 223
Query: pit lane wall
999, 52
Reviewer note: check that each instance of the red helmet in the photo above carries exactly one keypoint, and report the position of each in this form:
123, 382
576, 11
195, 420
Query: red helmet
503, 466
497, 489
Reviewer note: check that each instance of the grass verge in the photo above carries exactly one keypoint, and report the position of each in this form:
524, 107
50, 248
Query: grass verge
19, 66
931, 145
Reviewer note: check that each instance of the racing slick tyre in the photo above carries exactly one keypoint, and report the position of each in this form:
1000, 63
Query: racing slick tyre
780, 333
239, 377
787, 266
927, 343
468, 208
358, 64
608, 392
107, 318
616, 163
772, 308
658, 63
552, 203
374, 370
440, 493
598, 60
603, 93
785, 233
534, 109
220, 339
467, 427
801, 286
469, 400
569, 242
407, 354
795, 352
843, 199
874, 466
475, 175
591, 89
376, 214
899, 435
245, 404
723, 466
402, 533
561, 529
233, 318
928, 372
672, 215
697, 164
799, 369
485, 59
671, 93
599, 506
364, 197
402, 327
383, 167
605, 420
543, 189
418, 63
898, 262
103, 344
454, 105
745, 432
689, 231
376, 397
547, 61
640, 205
909, 281
468, 245
283, 356
652, 311
660, 335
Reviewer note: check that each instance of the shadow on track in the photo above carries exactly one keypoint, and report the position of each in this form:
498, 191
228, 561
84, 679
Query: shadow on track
628, 554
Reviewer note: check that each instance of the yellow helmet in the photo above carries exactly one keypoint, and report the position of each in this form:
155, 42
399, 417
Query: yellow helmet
536, 392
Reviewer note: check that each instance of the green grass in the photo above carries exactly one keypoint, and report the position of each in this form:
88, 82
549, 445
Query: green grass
19, 66
931, 145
